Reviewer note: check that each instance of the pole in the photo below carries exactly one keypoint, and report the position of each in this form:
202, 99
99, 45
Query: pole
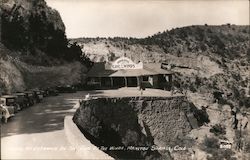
126, 82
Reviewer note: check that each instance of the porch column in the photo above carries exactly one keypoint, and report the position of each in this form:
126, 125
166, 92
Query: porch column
126, 82
138, 82
111, 82
170, 77
100, 80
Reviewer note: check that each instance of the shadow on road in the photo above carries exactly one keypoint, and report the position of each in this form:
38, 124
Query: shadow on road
43, 117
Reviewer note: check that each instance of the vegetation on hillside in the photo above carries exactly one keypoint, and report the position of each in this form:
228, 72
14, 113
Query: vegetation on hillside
223, 40
204, 58
227, 41
35, 51
35, 29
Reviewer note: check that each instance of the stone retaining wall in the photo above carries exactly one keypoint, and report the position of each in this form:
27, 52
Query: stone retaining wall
136, 121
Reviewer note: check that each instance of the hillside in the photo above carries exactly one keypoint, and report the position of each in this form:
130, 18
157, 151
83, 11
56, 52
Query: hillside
227, 41
34, 48
205, 58
18, 76
206, 61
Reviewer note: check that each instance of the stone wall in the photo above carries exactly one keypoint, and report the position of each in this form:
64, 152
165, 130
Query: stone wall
136, 121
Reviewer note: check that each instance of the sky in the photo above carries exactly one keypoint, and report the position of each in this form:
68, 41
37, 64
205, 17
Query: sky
142, 18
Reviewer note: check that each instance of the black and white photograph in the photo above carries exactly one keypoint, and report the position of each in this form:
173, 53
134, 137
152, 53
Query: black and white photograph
125, 79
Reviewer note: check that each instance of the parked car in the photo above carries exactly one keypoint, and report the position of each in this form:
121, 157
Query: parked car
52, 92
6, 112
66, 89
79, 87
38, 96
9, 101
45, 93
22, 100
30, 97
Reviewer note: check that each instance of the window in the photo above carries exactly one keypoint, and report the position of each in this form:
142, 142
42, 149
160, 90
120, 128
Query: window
145, 78
10, 101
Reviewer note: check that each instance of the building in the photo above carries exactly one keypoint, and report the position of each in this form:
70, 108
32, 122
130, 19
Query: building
123, 72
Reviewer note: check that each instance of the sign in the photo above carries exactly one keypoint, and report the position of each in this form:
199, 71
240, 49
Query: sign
124, 63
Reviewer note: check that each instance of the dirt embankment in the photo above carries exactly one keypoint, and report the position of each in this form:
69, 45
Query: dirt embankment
134, 122
16, 75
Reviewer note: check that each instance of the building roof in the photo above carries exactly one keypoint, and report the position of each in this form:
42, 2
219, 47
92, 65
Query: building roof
156, 67
98, 70
8, 96
131, 73
19, 94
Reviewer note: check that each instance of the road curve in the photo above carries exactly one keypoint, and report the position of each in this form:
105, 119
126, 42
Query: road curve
37, 132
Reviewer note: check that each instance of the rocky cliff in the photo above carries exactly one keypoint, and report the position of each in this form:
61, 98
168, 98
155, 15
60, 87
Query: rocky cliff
34, 48
165, 128
30, 25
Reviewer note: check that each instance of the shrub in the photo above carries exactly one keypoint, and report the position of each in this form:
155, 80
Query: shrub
223, 101
218, 129
192, 88
210, 143
244, 101
244, 31
222, 154
211, 146
198, 81
247, 146
201, 116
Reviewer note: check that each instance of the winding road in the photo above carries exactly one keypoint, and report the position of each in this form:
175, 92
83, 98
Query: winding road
37, 132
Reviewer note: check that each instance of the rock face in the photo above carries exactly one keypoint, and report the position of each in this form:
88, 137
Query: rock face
10, 76
34, 50
137, 121
30, 25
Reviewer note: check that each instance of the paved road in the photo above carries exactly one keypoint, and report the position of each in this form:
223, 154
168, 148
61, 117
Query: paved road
37, 132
